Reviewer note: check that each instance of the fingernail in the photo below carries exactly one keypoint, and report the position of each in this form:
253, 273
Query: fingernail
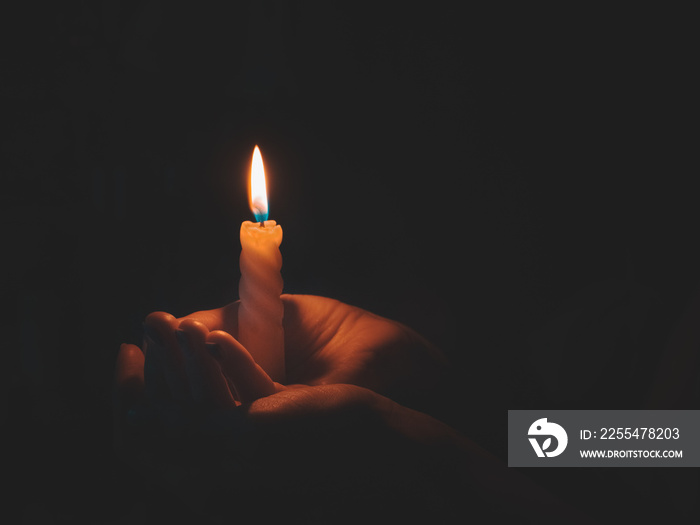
152, 334
214, 349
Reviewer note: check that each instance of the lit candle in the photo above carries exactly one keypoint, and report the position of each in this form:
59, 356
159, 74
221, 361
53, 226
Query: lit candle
261, 310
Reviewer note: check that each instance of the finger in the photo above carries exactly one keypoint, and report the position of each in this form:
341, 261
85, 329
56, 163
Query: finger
250, 381
129, 376
167, 360
208, 385
225, 318
128, 389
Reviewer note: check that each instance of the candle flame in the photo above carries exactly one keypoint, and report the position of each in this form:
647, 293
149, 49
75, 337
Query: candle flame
258, 190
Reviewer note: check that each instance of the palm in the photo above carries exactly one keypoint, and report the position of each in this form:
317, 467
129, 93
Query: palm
329, 342
338, 358
328, 430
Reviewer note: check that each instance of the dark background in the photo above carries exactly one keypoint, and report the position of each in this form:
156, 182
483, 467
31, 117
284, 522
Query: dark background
513, 183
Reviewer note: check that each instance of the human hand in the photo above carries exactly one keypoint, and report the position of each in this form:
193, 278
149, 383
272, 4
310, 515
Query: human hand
195, 372
337, 442
326, 342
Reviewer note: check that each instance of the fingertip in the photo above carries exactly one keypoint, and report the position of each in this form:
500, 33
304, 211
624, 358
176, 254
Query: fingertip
130, 362
159, 317
194, 328
191, 322
215, 336
158, 325
129, 352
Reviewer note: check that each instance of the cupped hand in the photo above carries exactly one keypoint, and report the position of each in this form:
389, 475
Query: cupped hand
193, 371
326, 342
198, 414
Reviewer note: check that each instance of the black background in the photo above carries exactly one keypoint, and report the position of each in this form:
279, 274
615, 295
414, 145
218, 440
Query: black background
512, 182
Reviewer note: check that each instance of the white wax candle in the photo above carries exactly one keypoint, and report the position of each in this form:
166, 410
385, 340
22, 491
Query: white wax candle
261, 310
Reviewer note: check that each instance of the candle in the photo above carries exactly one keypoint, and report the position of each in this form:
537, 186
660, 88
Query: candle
261, 310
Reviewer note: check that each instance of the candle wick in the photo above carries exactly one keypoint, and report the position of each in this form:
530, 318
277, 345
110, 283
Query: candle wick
262, 224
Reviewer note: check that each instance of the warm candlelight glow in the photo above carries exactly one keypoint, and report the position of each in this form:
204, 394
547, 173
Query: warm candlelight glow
261, 310
258, 191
